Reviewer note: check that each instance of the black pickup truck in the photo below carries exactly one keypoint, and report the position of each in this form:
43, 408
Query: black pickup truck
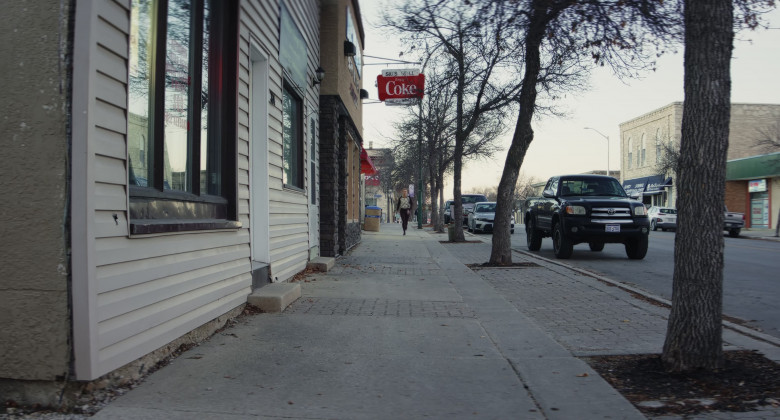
595, 209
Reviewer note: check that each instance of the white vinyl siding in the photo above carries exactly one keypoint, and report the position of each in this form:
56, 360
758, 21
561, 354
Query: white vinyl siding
289, 210
133, 295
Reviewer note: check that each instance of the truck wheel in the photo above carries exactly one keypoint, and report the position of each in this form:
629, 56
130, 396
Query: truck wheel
734, 232
596, 246
533, 236
561, 244
636, 249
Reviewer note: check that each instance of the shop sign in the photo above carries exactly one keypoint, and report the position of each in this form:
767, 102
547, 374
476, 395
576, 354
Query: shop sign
400, 84
757, 185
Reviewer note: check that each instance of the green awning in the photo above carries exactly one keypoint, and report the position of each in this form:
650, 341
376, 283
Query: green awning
764, 166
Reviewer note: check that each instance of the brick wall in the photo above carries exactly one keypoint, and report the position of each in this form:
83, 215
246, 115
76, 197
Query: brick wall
736, 196
329, 176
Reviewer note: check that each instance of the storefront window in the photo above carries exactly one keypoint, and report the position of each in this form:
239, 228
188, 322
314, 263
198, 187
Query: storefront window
181, 109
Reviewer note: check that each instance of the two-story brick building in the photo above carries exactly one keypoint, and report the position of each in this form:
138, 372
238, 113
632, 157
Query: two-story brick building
752, 186
341, 126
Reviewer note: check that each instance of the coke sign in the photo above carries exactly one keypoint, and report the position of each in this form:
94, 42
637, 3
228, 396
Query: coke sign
400, 87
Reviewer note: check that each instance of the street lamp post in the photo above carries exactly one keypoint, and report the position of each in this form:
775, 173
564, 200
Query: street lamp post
606, 137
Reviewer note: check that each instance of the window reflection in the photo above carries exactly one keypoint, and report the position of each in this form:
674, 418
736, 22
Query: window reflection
291, 139
139, 87
204, 114
177, 84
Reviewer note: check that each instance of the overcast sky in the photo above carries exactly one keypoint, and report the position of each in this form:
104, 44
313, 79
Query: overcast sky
562, 145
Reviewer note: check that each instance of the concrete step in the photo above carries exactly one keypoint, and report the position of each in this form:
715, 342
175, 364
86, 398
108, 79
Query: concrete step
275, 297
321, 263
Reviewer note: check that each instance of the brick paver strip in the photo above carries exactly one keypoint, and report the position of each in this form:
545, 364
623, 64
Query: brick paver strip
380, 307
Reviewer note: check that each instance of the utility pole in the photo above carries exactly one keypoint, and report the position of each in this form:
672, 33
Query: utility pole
420, 162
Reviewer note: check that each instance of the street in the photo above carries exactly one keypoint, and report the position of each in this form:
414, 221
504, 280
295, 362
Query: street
750, 290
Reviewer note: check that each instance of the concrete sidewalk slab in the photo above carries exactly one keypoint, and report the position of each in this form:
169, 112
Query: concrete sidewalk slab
275, 297
321, 263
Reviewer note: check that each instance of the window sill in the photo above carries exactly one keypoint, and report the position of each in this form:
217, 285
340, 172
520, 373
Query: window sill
146, 227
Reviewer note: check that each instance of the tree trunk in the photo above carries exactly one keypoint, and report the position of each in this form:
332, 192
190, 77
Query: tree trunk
460, 138
694, 331
501, 252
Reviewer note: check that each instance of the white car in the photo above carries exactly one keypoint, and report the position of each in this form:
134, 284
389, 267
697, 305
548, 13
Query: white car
662, 217
480, 219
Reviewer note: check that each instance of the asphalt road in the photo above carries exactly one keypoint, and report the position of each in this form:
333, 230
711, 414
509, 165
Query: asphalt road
751, 286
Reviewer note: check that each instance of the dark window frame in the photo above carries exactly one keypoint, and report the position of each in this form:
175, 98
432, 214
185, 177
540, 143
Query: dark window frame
299, 159
154, 208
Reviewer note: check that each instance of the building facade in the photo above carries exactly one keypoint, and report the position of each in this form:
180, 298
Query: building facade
341, 126
644, 137
160, 162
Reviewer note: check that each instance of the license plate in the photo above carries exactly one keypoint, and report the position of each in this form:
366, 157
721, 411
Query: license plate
613, 228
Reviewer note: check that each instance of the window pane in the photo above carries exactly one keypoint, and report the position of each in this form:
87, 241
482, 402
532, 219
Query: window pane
139, 88
204, 108
291, 140
177, 86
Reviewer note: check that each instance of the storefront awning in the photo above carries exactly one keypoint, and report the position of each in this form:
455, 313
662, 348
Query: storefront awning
635, 186
649, 185
763, 166
366, 166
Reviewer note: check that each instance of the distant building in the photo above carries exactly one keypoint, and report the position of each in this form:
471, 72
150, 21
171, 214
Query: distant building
753, 172
377, 192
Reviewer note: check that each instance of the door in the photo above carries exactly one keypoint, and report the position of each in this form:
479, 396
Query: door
314, 213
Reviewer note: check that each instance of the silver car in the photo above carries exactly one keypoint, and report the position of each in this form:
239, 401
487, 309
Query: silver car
662, 218
480, 219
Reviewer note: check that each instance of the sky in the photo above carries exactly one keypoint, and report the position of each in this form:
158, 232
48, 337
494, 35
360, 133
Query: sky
562, 144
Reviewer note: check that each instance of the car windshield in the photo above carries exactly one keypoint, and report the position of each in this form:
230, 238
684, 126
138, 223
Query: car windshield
485, 208
667, 211
591, 186
472, 199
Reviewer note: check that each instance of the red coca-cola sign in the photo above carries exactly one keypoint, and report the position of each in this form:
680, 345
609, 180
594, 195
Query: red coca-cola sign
400, 87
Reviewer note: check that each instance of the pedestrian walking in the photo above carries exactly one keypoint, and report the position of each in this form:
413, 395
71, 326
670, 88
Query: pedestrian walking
404, 207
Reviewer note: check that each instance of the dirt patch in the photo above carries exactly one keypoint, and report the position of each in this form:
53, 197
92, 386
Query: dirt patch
747, 382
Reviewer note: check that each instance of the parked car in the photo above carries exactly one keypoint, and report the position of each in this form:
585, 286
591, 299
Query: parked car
662, 218
482, 217
447, 211
468, 201
592, 209
733, 222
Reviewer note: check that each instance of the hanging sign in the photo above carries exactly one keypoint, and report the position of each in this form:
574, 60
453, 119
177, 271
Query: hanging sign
400, 84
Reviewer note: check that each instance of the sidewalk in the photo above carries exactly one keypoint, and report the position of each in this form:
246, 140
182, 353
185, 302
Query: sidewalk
401, 328
756, 233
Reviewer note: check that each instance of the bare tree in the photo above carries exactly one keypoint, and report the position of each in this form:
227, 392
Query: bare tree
694, 332
693, 338
562, 40
477, 57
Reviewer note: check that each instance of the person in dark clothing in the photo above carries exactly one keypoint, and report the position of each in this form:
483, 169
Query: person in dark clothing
404, 207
